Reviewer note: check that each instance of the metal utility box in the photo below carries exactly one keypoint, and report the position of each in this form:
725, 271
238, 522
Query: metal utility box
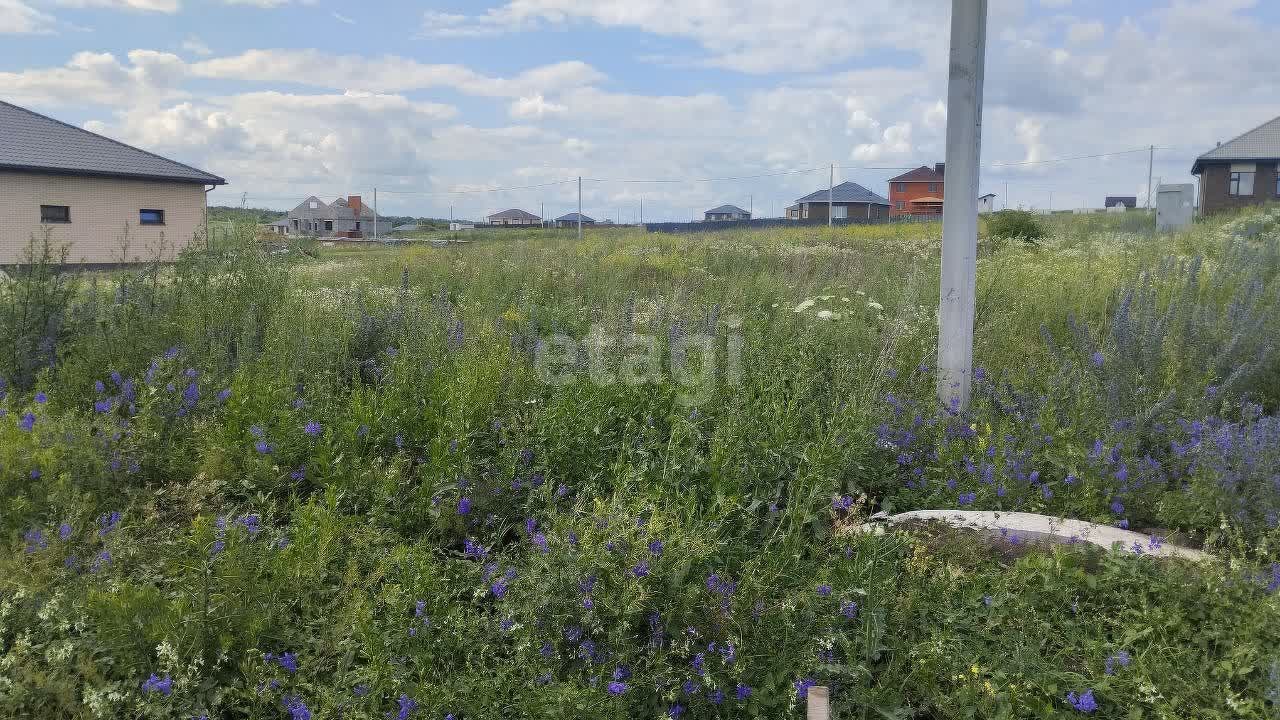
1175, 206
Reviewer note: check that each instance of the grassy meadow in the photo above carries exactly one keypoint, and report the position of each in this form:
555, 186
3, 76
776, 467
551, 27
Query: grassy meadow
527, 476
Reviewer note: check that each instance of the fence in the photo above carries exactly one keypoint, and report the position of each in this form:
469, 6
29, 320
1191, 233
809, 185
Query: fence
711, 226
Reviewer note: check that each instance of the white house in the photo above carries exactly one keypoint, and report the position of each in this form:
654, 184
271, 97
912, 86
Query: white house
987, 203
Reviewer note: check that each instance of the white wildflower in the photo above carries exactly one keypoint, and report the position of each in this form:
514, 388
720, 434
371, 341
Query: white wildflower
805, 305
875, 306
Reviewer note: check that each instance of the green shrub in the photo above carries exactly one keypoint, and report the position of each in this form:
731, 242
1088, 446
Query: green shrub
1016, 224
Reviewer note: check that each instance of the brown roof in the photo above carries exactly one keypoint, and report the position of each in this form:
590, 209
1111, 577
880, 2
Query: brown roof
924, 173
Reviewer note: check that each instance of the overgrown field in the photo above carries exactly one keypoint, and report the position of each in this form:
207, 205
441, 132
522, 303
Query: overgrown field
530, 477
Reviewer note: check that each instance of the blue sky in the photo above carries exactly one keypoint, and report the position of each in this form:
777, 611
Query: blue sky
288, 98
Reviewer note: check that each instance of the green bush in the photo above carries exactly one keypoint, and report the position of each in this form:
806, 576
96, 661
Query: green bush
1016, 224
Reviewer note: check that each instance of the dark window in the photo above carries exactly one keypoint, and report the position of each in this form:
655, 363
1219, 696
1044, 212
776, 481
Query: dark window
933, 187
357, 224
55, 214
328, 224
901, 205
1241, 184
902, 187
1278, 180
150, 217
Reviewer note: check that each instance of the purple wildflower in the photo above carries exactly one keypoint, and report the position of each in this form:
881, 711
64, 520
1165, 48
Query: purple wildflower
27, 422
743, 692
1083, 702
464, 506
41, 398
407, 705
153, 684
312, 428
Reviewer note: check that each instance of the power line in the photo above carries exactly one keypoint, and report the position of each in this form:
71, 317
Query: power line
1077, 157
479, 191
706, 180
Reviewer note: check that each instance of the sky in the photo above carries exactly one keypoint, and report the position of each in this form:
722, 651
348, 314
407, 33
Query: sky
438, 104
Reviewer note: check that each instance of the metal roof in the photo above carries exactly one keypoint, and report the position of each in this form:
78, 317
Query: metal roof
845, 192
514, 214
727, 210
1129, 201
924, 173
573, 217
1260, 143
31, 142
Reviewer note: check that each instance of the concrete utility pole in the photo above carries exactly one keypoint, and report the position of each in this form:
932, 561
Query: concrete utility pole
960, 214
375, 214
1006, 196
579, 207
1151, 165
831, 184
642, 211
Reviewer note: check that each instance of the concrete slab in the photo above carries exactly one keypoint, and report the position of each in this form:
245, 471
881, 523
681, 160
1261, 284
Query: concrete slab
1030, 526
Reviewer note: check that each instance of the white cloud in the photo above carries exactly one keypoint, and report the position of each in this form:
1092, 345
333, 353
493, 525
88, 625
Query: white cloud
342, 18
196, 46
389, 73
17, 17
1083, 33
535, 106
99, 78
753, 36
160, 6
895, 143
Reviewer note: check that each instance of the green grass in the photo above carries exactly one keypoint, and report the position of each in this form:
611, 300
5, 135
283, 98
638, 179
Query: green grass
419, 366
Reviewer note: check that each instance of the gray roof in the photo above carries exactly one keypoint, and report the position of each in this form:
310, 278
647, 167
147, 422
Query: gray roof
514, 214
573, 217
1260, 143
845, 192
727, 210
32, 142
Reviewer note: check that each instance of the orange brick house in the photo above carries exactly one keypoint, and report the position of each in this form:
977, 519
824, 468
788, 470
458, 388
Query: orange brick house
918, 192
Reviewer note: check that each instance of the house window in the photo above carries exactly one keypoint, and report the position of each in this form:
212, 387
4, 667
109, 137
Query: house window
902, 187
357, 224
1241, 184
55, 214
840, 212
313, 204
150, 217
933, 187
328, 225
902, 205
806, 211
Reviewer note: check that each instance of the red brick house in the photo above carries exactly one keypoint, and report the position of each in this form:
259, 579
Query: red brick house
1241, 172
918, 193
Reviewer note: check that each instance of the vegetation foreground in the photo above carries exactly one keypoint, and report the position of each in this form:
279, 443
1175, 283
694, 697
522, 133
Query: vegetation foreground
530, 477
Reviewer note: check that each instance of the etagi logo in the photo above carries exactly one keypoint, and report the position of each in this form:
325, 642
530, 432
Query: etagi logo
695, 362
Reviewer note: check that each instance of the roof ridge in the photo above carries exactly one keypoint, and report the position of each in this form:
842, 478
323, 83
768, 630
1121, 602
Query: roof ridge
1241, 136
116, 142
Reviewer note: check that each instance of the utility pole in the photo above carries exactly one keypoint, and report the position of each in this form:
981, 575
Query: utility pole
831, 184
1006, 196
243, 196
579, 207
1151, 165
542, 220
960, 214
642, 211
751, 206
375, 214
1050, 202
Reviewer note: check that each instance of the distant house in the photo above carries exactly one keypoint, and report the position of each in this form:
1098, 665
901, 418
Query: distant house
919, 192
456, 226
84, 190
405, 228
847, 200
343, 218
514, 216
279, 227
1242, 171
1123, 202
571, 220
987, 204
726, 212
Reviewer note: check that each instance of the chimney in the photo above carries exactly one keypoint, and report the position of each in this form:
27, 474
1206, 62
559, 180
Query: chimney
353, 202
941, 168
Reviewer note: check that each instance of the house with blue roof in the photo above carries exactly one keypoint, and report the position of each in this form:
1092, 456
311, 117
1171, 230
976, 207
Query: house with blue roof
848, 200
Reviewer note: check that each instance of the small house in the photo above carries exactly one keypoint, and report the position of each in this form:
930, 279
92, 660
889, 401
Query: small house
346, 217
1242, 171
919, 192
1121, 203
846, 200
726, 212
987, 204
514, 216
571, 220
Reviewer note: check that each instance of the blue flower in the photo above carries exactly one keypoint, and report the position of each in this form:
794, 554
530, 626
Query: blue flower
849, 609
1097, 358
1083, 702
743, 692
1121, 659
108, 522
27, 422
263, 447
257, 431
407, 705
464, 506
64, 531
641, 569
288, 661
35, 540
297, 709
312, 428
153, 684
655, 547
224, 395
41, 398
99, 386
824, 590
802, 687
